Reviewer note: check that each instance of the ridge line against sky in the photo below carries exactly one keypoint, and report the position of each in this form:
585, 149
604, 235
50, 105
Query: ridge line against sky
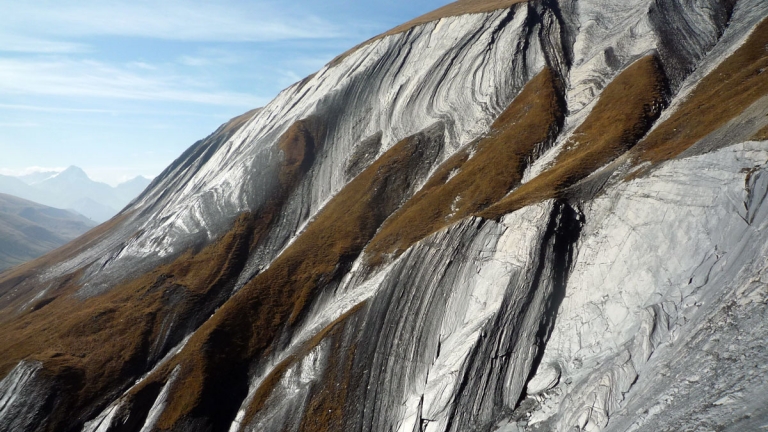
121, 88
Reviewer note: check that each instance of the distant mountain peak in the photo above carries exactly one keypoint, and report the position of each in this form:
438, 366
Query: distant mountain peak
72, 188
74, 172
137, 179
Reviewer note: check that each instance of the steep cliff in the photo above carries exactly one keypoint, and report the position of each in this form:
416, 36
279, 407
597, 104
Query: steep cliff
502, 216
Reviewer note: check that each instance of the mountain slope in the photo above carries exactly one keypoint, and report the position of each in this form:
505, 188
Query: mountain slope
129, 190
28, 230
72, 188
506, 216
16, 187
37, 177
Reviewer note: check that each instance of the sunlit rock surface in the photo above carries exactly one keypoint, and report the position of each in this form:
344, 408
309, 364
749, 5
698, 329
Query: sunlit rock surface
666, 277
630, 298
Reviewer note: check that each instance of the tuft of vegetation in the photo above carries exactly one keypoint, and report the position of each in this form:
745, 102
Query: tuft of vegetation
626, 110
722, 95
326, 409
330, 394
235, 124
464, 185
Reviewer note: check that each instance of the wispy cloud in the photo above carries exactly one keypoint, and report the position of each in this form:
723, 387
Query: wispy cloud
28, 170
194, 61
19, 124
142, 65
85, 78
209, 57
224, 21
20, 107
120, 71
288, 77
111, 112
24, 44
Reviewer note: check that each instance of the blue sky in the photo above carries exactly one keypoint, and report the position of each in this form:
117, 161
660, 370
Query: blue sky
121, 88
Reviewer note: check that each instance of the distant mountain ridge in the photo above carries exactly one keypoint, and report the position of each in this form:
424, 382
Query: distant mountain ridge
37, 177
72, 189
28, 230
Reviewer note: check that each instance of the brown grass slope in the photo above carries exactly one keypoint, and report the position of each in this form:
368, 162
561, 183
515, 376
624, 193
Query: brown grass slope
29, 230
299, 146
20, 284
462, 186
722, 95
213, 378
326, 408
99, 346
329, 396
625, 111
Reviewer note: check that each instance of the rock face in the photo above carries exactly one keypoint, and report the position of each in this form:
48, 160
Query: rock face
506, 216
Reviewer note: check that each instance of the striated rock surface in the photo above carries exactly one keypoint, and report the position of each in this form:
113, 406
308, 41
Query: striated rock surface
502, 216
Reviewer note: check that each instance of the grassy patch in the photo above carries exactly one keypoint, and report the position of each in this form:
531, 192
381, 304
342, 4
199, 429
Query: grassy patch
464, 185
229, 128
299, 146
722, 95
625, 111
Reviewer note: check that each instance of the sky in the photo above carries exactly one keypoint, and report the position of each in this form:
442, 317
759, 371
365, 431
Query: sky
121, 88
